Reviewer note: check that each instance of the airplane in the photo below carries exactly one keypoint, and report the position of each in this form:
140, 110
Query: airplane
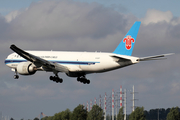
76, 64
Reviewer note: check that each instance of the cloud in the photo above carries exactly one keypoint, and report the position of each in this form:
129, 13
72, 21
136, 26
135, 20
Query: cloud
175, 87
65, 20
155, 16
12, 15
4, 25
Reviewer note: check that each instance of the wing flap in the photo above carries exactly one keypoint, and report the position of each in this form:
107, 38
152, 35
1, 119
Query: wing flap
61, 68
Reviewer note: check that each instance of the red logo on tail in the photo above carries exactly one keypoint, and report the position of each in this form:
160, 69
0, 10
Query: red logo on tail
128, 39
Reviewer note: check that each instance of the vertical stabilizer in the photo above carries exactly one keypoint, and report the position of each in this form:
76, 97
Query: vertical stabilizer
127, 44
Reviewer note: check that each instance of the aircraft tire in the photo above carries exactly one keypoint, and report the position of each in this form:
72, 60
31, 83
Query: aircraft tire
88, 81
78, 79
60, 80
16, 76
56, 79
83, 80
51, 78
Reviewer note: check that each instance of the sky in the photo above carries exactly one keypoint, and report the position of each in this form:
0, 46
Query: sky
92, 25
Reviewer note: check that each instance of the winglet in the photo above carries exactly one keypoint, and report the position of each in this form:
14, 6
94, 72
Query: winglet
127, 44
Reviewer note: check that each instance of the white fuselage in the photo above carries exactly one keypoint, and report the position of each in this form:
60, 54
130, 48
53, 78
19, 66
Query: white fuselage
87, 62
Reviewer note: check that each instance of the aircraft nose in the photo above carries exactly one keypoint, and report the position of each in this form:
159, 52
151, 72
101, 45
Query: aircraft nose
7, 61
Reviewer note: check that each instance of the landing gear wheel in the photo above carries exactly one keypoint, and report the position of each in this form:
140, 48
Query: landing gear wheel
83, 79
56, 79
84, 82
78, 79
88, 81
60, 80
51, 77
16, 76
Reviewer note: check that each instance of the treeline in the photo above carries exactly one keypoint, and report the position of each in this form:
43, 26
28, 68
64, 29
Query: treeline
96, 113
79, 113
163, 114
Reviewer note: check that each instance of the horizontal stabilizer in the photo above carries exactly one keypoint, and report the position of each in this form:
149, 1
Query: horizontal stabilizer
156, 57
120, 59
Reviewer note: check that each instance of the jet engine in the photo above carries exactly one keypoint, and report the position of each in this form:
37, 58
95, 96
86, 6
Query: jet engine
26, 68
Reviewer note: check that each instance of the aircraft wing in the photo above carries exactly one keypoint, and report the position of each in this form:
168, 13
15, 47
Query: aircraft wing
156, 57
39, 61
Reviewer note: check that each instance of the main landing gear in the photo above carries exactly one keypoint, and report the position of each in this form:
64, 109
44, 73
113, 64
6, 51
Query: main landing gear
83, 79
56, 78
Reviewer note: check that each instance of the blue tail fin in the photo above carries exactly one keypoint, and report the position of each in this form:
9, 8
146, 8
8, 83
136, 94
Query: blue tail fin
127, 44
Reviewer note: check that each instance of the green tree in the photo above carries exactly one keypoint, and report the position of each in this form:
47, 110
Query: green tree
45, 118
108, 117
120, 115
36, 118
96, 113
57, 116
65, 115
50, 118
137, 114
79, 113
174, 114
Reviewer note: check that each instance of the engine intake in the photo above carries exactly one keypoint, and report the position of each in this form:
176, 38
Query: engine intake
26, 68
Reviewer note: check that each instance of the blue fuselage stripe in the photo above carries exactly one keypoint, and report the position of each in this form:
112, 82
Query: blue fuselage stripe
60, 62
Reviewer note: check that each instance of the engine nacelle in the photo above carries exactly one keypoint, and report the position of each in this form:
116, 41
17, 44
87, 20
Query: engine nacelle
26, 68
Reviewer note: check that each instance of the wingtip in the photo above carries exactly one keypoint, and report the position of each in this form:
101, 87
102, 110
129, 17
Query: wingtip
169, 54
12, 45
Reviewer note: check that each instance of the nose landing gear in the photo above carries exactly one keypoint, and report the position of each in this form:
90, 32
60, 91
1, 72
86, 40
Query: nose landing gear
16, 76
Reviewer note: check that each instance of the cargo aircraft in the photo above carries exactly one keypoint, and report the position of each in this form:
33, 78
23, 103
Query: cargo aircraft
76, 64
